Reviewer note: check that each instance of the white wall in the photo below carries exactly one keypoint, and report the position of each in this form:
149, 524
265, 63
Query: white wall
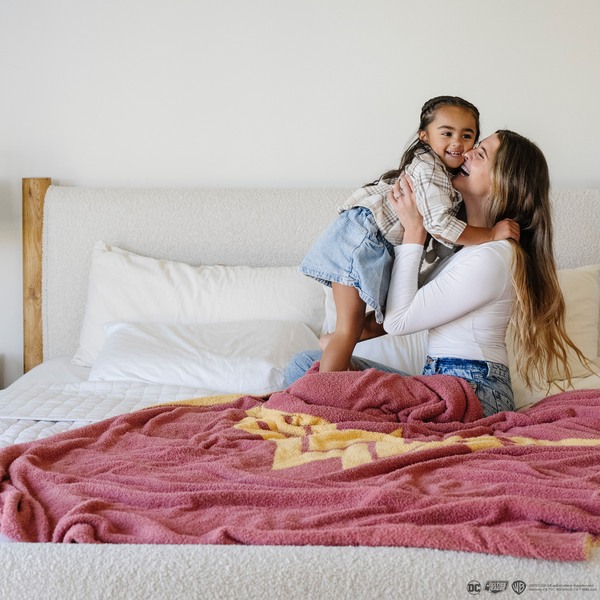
297, 93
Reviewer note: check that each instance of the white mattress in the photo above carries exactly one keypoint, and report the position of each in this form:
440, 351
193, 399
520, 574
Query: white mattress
12, 431
56, 396
16, 431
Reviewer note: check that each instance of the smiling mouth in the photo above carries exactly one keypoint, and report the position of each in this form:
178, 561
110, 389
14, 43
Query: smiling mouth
454, 154
464, 170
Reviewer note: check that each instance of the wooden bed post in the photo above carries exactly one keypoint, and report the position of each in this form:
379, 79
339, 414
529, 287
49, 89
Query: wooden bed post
34, 191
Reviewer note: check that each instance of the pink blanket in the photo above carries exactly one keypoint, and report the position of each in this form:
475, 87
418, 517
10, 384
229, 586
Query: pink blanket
365, 458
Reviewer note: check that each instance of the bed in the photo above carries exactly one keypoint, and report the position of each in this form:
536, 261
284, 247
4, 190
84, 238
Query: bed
170, 314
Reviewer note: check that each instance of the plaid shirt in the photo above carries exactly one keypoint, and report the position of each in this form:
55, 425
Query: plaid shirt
437, 201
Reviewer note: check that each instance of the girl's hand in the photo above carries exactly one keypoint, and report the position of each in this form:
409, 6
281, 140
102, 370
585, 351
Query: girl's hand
505, 230
404, 202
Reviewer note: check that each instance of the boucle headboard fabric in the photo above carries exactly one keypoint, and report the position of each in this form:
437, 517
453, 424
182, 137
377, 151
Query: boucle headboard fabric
252, 227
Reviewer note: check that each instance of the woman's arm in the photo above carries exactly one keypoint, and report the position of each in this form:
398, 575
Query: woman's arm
470, 281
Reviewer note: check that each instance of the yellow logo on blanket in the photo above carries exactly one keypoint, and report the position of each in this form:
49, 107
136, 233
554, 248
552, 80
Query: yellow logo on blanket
353, 446
357, 446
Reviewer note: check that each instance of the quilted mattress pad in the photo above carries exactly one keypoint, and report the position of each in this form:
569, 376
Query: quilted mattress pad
33, 411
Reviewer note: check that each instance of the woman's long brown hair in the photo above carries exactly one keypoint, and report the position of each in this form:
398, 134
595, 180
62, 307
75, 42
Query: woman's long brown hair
521, 191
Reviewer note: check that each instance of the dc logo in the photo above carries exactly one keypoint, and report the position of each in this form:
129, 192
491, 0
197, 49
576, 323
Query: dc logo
474, 588
518, 587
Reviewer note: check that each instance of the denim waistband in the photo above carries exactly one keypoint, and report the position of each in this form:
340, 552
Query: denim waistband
486, 368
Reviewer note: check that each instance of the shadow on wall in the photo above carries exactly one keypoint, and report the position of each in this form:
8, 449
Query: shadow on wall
7, 210
1, 371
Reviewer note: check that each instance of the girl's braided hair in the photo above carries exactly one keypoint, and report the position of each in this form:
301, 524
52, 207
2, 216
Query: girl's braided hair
427, 116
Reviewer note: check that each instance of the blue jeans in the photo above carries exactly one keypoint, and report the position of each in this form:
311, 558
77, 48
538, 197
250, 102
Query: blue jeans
489, 380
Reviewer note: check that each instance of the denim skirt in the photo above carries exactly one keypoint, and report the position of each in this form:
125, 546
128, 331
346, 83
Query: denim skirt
352, 251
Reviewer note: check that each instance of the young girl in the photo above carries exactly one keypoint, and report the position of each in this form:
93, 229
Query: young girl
354, 255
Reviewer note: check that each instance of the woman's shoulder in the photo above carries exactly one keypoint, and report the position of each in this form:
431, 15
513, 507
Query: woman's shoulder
499, 254
486, 267
501, 248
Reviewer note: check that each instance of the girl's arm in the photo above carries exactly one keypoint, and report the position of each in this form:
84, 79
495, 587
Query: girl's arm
433, 193
503, 230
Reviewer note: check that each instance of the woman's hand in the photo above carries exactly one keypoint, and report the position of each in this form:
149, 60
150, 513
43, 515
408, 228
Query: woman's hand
404, 202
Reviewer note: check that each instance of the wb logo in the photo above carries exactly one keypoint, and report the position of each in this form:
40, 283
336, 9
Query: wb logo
473, 587
518, 587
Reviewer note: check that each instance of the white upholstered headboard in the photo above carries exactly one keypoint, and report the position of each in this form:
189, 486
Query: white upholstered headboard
253, 227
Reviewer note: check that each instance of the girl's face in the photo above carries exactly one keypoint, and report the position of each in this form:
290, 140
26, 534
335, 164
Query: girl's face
474, 179
450, 134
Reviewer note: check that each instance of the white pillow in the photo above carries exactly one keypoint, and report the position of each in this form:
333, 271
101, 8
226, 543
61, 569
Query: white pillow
244, 357
581, 291
406, 353
126, 287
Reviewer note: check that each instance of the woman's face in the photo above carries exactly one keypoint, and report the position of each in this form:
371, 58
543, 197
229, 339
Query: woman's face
474, 180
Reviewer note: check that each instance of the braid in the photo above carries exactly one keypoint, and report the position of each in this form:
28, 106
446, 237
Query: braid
429, 107
427, 116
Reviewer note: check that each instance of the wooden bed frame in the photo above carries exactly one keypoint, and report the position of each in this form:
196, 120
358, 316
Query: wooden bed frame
34, 192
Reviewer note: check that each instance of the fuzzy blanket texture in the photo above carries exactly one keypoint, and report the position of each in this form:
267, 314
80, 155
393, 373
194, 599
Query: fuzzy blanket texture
362, 458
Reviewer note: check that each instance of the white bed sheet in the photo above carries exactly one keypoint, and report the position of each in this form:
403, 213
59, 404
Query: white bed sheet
57, 369
56, 396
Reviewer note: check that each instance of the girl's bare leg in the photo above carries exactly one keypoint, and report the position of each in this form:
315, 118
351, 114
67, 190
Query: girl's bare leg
371, 329
350, 321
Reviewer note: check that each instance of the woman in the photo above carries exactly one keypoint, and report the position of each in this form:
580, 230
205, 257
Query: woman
469, 300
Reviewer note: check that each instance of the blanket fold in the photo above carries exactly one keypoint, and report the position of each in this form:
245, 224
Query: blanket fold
439, 399
357, 458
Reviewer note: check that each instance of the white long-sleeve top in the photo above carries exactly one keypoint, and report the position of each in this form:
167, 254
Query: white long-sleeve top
466, 303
